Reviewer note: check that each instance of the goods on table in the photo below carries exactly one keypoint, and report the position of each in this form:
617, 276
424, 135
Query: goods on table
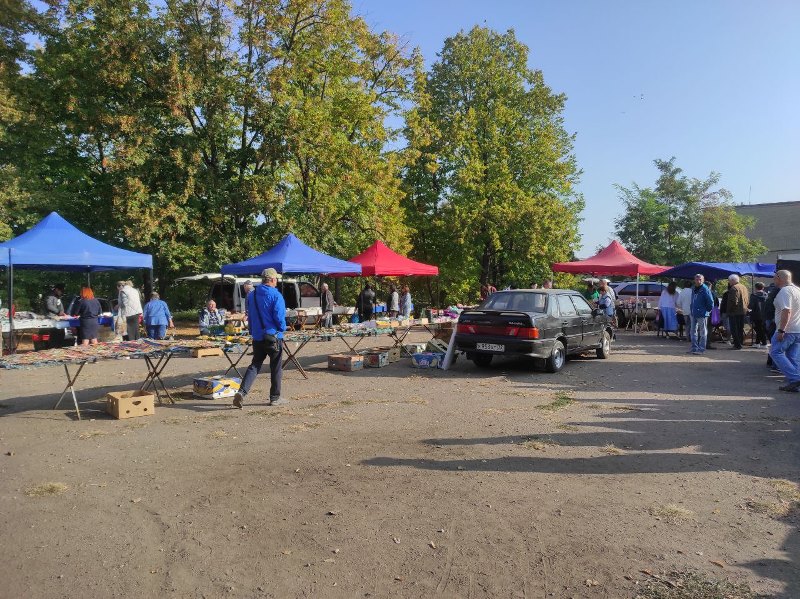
427, 360
216, 387
130, 404
345, 362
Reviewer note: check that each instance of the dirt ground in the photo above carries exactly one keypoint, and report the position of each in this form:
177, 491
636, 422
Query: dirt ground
397, 482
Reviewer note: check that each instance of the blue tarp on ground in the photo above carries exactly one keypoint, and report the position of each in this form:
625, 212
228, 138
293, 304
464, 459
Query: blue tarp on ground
292, 256
715, 271
55, 244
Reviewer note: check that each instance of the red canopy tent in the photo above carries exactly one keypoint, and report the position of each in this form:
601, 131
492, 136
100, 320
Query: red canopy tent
380, 261
612, 260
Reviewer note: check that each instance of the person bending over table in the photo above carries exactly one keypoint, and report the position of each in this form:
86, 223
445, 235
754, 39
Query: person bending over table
267, 310
130, 307
210, 317
87, 309
157, 317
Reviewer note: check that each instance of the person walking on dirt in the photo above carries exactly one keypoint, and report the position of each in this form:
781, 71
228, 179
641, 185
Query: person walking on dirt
267, 310
785, 350
738, 302
702, 302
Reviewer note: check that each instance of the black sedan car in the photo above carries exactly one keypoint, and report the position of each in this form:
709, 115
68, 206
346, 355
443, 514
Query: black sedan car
547, 324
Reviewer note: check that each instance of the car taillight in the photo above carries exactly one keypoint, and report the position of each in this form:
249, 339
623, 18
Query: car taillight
528, 333
502, 331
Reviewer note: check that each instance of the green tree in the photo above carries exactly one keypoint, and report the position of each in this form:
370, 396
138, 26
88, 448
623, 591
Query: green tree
490, 189
683, 219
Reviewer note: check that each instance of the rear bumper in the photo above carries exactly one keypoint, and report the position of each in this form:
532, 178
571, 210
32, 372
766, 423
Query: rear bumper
537, 348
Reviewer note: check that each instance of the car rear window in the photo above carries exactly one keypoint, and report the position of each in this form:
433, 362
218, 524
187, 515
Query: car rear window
518, 301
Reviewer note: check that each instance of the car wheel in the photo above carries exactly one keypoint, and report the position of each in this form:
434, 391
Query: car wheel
557, 358
605, 346
482, 360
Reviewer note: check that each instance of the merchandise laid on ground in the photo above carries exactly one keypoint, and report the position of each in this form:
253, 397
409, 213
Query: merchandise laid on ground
156, 355
352, 334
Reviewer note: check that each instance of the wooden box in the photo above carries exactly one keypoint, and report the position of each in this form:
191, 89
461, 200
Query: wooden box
414, 348
345, 362
130, 404
437, 345
376, 359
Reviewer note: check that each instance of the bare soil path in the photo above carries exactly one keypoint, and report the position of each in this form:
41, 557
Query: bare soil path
406, 483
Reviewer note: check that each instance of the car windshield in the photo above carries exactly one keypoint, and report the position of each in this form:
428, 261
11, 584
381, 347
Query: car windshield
520, 301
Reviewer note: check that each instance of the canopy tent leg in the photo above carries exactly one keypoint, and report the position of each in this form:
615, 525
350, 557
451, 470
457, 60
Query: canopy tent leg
11, 335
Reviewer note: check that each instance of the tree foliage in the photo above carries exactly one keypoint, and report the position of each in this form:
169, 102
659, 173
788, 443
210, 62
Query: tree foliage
490, 185
683, 219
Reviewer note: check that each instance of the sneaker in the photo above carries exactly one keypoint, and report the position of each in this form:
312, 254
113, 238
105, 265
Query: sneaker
692, 351
791, 387
279, 402
237, 400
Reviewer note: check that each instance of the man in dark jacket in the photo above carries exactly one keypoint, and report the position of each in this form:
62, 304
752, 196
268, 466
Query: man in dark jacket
769, 317
758, 300
737, 306
366, 303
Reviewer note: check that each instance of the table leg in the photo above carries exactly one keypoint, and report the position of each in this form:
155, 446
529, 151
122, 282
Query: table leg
234, 364
71, 388
154, 375
398, 340
292, 356
352, 347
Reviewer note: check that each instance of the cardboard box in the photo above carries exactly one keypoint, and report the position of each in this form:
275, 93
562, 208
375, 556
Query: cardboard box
414, 348
393, 352
345, 362
205, 352
216, 387
376, 359
427, 360
130, 404
437, 345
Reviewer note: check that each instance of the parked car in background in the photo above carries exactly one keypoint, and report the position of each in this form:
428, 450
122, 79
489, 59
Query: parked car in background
229, 295
649, 291
546, 324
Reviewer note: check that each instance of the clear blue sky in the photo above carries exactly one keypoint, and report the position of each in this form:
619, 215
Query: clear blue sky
715, 83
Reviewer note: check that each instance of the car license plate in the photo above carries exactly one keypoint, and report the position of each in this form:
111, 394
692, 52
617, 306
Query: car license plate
490, 347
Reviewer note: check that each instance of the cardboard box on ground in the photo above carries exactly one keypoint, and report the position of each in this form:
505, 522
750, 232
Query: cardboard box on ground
345, 362
130, 404
215, 387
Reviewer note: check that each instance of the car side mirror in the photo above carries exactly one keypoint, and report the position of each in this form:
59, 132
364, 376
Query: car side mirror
595, 311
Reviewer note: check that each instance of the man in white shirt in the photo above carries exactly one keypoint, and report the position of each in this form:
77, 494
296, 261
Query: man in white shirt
785, 350
684, 305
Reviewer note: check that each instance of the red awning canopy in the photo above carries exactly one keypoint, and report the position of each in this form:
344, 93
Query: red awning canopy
613, 260
379, 261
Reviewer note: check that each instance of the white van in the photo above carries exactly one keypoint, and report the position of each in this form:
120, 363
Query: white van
228, 291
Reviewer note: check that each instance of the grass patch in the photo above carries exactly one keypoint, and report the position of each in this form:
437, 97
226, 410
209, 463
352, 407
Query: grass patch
92, 434
787, 490
773, 509
46, 489
691, 585
212, 417
270, 413
671, 513
567, 427
220, 434
611, 449
135, 425
625, 409
539, 443
174, 420
560, 400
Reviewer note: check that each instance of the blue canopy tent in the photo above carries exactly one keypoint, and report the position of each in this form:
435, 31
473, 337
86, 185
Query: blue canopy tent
55, 244
715, 271
291, 255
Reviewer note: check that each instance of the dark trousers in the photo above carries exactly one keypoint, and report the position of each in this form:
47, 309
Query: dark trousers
272, 348
761, 331
736, 322
709, 328
133, 327
771, 328
365, 315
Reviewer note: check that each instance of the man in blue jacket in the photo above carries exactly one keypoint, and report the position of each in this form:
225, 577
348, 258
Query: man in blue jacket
267, 316
701, 305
